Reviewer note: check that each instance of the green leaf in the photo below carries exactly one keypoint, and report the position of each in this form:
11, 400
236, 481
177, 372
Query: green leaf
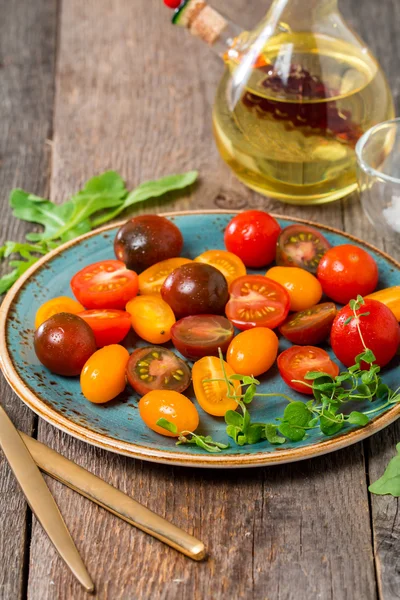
389, 483
20, 266
363, 390
255, 433
342, 377
167, 425
316, 375
313, 422
233, 432
348, 320
234, 418
367, 356
271, 433
246, 422
297, 413
330, 423
249, 394
294, 434
382, 393
249, 380
150, 189
357, 418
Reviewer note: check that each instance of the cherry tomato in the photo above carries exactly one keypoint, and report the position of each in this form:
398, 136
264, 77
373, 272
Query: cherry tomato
202, 335
195, 289
155, 368
295, 362
310, 327
109, 326
105, 284
173, 3
61, 304
213, 396
146, 240
173, 407
390, 297
152, 318
64, 343
103, 376
253, 352
256, 301
346, 271
252, 235
304, 289
301, 246
379, 328
230, 265
152, 279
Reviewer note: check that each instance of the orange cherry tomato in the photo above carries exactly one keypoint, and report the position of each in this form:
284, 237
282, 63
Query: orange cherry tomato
253, 352
230, 265
304, 289
213, 396
152, 318
390, 297
173, 407
103, 376
61, 304
152, 279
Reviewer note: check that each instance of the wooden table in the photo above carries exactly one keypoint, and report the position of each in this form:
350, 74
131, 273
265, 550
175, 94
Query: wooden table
100, 84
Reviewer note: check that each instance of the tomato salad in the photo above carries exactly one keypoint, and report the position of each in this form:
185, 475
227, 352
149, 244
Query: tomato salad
197, 304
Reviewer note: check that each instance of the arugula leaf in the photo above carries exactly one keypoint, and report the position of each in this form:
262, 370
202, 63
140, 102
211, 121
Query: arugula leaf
389, 483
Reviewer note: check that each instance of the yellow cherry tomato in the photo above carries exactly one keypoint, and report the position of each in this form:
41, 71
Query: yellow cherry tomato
61, 304
213, 396
103, 376
253, 352
230, 265
171, 406
152, 279
304, 289
152, 318
390, 297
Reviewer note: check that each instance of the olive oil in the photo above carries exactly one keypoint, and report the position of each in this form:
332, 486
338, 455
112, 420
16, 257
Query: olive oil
292, 133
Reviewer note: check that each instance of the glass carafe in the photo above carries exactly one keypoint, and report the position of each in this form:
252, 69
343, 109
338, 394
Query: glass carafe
297, 94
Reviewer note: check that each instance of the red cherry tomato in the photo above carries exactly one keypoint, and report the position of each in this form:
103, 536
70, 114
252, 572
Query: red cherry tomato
173, 3
105, 284
346, 271
109, 326
202, 335
252, 236
380, 331
295, 362
257, 301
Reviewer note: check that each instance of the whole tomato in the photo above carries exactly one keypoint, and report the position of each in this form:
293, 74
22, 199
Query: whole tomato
252, 235
347, 271
379, 329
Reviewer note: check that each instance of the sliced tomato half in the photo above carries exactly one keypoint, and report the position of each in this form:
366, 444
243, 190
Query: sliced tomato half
105, 284
202, 335
311, 326
156, 368
109, 326
256, 301
295, 362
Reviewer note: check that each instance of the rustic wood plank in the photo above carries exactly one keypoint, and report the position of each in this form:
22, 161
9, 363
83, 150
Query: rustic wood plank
135, 94
380, 448
27, 50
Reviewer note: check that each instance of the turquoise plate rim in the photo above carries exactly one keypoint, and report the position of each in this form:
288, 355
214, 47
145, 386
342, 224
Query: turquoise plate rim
183, 458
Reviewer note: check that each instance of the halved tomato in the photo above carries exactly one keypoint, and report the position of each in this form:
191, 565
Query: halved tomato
109, 326
257, 301
155, 368
213, 395
55, 306
105, 284
152, 279
295, 362
202, 335
230, 265
311, 326
301, 246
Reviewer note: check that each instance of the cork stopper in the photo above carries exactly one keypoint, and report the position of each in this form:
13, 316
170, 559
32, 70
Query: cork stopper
207, 24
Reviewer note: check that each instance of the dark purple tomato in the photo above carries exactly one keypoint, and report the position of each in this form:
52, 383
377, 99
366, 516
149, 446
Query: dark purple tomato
156, 368
202, 335
301, 246
195, 289
64, 343
146, 240
310, 327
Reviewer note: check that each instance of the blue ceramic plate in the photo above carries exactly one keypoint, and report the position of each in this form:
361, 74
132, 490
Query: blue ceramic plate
117, 426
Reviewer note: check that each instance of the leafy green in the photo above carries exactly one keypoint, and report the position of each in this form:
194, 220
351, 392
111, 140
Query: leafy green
389, 483
171, 427
102, 199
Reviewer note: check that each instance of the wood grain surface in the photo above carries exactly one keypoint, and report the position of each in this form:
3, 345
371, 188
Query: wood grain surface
135, 94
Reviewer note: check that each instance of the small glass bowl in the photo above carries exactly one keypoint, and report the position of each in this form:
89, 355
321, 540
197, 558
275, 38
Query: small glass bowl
378, 161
